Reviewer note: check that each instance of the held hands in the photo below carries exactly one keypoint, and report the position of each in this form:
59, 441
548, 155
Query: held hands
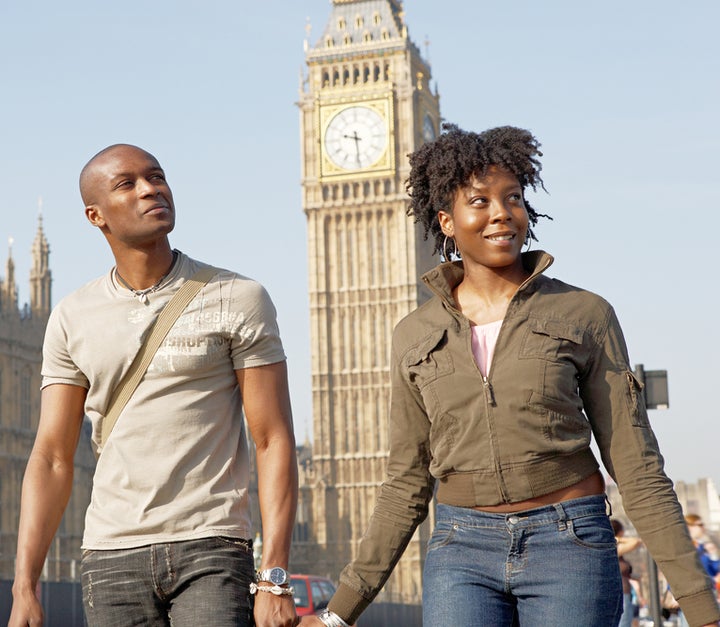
274, 611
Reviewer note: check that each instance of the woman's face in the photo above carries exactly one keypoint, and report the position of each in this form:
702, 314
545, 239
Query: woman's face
488, 220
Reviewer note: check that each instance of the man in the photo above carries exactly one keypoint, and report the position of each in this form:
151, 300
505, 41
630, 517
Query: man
166, 533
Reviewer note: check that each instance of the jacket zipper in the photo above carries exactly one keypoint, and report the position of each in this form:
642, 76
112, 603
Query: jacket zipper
489, 393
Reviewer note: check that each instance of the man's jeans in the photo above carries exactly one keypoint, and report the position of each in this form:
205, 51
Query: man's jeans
555, 565
186, 584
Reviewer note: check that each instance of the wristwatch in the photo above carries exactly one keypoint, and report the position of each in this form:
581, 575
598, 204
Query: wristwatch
278, 576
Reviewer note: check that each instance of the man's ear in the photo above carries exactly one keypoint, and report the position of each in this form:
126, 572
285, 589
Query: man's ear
94, 216
446, 223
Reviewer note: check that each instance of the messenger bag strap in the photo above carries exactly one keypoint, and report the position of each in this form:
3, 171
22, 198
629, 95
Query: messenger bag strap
167, 318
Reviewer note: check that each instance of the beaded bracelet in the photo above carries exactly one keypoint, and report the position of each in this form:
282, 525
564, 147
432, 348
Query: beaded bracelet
276, 590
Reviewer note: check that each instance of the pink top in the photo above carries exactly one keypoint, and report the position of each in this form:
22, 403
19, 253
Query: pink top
484, 338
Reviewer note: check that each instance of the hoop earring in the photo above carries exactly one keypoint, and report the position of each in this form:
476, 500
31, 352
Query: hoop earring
528, 243
454, 252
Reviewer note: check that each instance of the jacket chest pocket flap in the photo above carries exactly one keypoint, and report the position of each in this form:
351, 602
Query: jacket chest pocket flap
426, 361
550, 339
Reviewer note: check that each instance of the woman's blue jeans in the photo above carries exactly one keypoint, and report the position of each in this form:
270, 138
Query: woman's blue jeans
555, 565
186, 584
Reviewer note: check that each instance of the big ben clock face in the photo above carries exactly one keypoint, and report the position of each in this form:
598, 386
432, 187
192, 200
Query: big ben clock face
356, 137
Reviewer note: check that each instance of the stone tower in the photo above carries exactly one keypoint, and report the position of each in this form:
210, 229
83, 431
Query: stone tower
365, 103
40, 276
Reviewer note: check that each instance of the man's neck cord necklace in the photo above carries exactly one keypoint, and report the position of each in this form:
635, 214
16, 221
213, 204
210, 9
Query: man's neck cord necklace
142, 295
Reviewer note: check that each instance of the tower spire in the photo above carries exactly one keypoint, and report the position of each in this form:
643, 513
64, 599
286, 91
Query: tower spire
9, 296
40, 276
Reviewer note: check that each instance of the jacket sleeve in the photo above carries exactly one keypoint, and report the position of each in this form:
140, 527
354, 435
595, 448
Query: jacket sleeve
615, 405
402, 503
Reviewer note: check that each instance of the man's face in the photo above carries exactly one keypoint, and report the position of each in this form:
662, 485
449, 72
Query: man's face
129, 198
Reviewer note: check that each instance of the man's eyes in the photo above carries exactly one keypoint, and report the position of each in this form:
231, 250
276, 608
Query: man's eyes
129, 183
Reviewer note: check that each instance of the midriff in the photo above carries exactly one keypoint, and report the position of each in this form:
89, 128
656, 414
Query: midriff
594, 484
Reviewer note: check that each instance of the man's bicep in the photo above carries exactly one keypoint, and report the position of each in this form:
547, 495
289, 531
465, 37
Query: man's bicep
62, 407
266, 400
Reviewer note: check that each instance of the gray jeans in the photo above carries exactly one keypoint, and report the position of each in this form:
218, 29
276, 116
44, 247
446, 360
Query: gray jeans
183, 584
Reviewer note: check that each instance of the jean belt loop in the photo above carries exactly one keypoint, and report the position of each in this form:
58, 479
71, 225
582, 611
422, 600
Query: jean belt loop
562, 516
608, 506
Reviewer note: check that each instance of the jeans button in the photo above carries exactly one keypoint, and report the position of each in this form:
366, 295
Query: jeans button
513, 520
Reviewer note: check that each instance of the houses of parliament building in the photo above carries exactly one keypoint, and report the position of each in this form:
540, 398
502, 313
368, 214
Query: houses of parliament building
21, 334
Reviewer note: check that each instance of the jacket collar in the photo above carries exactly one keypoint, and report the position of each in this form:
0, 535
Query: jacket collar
445, 277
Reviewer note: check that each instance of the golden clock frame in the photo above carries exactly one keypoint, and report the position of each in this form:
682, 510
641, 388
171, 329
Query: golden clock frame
384, 165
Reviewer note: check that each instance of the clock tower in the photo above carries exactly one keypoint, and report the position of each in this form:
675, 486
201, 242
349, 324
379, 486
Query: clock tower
365, 103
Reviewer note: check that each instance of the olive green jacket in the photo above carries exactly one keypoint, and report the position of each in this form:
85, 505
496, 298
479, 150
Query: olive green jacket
560, 374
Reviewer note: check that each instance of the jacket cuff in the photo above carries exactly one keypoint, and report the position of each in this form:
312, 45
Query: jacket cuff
347, 603
700, 608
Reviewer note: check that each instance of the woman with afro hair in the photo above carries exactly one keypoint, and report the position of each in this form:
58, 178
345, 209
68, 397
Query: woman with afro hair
499, 382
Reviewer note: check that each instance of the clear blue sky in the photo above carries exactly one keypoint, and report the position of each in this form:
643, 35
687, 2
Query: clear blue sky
623, 96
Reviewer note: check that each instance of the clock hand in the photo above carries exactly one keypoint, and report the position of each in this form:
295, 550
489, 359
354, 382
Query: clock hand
356, 138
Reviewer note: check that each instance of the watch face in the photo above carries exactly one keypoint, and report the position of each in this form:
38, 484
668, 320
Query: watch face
356, 138
278, 576
428, 129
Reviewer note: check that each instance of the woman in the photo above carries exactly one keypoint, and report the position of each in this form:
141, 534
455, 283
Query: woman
498, 383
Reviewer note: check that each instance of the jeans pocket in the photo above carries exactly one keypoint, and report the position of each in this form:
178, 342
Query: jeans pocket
593, 532
238, 543
442, 535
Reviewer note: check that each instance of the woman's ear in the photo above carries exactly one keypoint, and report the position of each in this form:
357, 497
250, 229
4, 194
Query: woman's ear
446, 223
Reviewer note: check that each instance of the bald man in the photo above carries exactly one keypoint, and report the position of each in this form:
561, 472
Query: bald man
167, 533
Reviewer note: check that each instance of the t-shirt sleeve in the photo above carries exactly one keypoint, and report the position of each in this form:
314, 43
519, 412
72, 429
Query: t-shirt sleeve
57, 365
256, 338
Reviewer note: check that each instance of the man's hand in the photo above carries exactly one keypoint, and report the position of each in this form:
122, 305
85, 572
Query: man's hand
275, 611
26, 609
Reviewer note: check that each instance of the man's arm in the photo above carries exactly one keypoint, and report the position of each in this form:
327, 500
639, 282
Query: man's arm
45, 492
266, 401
